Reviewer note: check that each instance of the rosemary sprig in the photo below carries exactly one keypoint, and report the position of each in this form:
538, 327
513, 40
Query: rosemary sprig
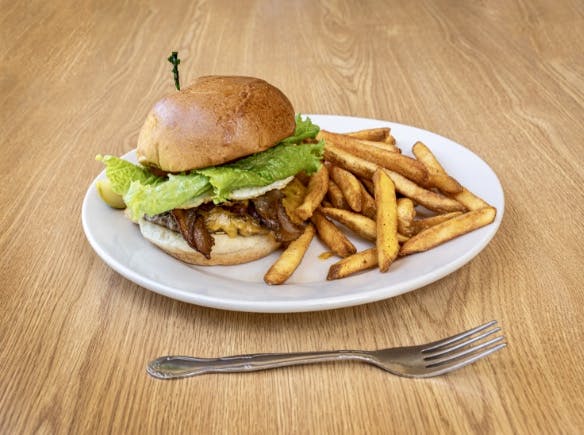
173, 58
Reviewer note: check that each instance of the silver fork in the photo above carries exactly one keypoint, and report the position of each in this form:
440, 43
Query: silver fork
426, 360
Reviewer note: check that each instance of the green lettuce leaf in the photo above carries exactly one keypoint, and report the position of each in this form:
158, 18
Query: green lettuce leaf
152, 199
261, 169
305, 129
145, 193
122, 173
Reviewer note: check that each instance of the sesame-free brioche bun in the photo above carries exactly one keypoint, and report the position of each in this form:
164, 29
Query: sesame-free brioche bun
226, 250
213, 121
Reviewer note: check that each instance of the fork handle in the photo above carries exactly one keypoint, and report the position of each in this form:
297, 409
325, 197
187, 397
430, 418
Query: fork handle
172, 367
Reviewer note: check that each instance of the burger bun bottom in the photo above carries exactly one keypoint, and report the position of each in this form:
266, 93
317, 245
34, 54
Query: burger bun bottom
226, 250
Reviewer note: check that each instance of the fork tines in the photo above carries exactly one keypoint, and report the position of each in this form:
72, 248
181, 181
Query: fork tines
462, 349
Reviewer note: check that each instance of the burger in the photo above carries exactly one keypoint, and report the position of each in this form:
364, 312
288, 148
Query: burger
217, 162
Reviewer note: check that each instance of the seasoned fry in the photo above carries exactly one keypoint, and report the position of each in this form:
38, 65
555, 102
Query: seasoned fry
401, 238
317, 188
390, 139
355, 263
290, 258
386, 222
426, 156
374, 134
335, 195
425, 223
368, 207
381, 134
364, 168
464, 196
470, 200
349, 185
361, 225
444, 182
448, 230
332, 236
404, 165
368, 185
405, 216
356, 165
431, 200
437, 175
385, 146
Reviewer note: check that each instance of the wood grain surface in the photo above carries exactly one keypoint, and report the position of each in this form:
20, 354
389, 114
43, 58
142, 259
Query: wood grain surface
503, 77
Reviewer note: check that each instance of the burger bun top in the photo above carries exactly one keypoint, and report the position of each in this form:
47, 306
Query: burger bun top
213, 121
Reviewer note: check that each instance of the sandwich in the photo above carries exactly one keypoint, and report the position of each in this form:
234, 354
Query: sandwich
216, 164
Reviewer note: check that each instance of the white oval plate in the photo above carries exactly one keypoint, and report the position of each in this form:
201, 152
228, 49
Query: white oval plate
241, 288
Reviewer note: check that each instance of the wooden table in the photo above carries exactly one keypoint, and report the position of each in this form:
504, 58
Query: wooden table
504, 78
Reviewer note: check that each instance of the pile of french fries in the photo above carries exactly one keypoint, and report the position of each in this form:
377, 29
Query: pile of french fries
402, 205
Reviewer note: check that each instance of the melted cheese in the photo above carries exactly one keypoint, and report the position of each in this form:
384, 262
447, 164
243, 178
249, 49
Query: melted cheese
294, 194
220, 220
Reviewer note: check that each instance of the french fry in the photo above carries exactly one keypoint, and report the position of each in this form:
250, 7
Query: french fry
425, 223
404, 165
390, 139
364, 168
361, 225
386, 222
464, 196
470, 200
426, 156
368, 207
368, 185
374, 134
349, 185
335, 195
444, 182
290, 258
332, 236
405, 216
358, 166
317, 188
429, 199
401, 238
437, 175
448, 230
385, 146
355, 263
382, 134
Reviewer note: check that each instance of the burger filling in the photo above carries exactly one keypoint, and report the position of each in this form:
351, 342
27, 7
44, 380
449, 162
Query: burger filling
235, 218
240, 198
